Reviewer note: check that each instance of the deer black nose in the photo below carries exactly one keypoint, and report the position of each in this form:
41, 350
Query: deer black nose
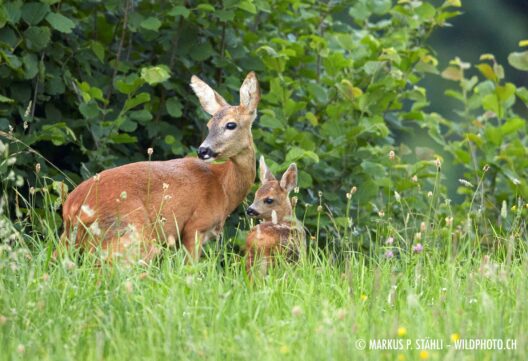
251, 212
205, 153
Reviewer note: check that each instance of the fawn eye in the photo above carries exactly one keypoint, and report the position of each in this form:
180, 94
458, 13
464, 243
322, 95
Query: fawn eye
268, 200
231, 125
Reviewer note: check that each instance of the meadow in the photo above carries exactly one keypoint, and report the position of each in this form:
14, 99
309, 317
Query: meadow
314, 310
400, 302
413, 177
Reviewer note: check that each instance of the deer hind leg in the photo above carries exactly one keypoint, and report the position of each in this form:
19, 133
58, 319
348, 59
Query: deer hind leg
193, 239
131, 238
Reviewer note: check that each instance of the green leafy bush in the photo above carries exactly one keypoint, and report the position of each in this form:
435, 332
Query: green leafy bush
91, 84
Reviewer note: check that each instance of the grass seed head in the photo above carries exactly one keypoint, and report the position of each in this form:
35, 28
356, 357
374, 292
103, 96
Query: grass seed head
297, 311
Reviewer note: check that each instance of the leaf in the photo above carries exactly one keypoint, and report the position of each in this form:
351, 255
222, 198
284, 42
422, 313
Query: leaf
128, 126
3, 17
141, 116
454, 3
512, 125
98, 49
225, 15
519, 60
129, 84
268, 121
206, 7
425, 11
4, 99
179, 11
137, 100
123, 138
174, 107
522, 93
247, 6
201, 52
55, 86
89, 110
318, 92
490, 102
31, 63
296, 153
37, 37
169, 139
155, 74
60, 23
13, 12
34, 13
380, 7
506, 91
151, 23
452, 73
312, 118
487, 71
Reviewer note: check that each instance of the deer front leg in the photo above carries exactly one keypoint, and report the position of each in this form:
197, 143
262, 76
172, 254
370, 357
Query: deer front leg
193, 240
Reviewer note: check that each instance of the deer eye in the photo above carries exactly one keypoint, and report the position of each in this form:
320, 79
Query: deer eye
231, 125
268, 200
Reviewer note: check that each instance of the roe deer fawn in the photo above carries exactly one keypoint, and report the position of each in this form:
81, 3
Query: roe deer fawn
127, 210
280, 232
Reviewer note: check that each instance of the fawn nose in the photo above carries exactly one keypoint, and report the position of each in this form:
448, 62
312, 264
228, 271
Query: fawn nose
205, 153
251, 212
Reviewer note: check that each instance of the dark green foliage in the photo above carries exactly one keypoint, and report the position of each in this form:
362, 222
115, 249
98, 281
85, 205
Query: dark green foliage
93, 84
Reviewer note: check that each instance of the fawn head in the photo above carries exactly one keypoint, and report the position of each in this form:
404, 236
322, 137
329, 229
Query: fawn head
273, 195
229, 126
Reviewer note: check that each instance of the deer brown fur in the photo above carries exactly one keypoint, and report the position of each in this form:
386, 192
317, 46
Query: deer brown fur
131, 209
280, 232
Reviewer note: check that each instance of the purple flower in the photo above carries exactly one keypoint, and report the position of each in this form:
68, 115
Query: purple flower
389, 254
417, 248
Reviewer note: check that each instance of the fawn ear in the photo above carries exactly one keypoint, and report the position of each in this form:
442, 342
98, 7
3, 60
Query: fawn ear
210, 100
250, 93
265, 174
289, 178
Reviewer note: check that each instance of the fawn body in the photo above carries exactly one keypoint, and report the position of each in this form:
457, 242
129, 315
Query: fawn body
127, 210
280, 232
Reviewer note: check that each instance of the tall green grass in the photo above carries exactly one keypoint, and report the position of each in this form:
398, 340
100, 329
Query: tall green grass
313, 310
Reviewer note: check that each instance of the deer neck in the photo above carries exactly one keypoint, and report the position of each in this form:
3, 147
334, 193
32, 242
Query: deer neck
238, 175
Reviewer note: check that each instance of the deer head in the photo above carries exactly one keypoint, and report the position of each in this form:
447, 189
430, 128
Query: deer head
273, 195
229, 126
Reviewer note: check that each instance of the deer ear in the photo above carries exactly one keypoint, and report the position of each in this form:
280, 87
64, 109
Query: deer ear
265, 174
250, 93
210, 100
289, 178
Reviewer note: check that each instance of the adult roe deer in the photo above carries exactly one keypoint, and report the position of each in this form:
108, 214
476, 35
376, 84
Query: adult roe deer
130, 209
280, 232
